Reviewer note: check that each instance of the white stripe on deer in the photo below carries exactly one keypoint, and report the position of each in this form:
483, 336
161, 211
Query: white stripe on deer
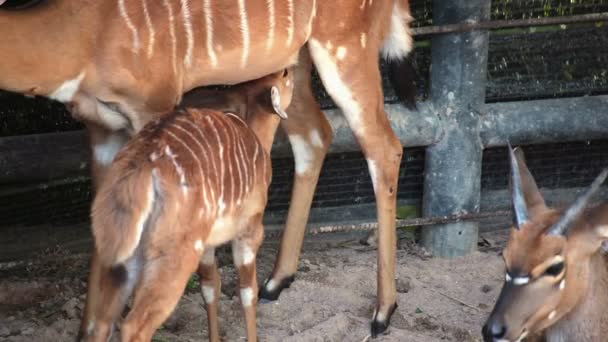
66, 91
189, 34
271, 25
245, 31
290, 21
172, 33
209, 32
123, 13
152, 34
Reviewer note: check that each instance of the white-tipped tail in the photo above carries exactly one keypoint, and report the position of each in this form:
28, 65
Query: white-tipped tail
399, 41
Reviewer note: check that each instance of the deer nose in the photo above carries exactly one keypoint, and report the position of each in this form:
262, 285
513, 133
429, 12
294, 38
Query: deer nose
494, 330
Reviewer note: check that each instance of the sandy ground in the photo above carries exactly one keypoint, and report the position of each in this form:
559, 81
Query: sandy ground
332, 298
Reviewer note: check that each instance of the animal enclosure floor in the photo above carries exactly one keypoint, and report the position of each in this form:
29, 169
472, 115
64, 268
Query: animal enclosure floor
332, 298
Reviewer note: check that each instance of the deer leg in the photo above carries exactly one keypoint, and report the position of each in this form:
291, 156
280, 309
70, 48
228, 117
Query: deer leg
111, 287
244, 253
88, 321
104, 145
310, 135
352, 79
210, 289
164, 279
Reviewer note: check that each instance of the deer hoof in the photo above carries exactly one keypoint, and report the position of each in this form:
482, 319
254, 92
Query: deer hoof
272, 289
381, 322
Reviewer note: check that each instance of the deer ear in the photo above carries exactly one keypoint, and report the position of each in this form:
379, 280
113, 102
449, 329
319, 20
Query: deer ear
534, 199
275, 99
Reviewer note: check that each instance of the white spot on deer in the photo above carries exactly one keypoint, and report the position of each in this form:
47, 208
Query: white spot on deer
362, 6
90, 327
153, 156
244, 256
208, 258
363, 39
223, 230
271, 25
198, 245
66, 91
521, 280
552, 315
208, 294
373, 173
315, 138
329, 45
151, 33
340, 53
337, 89
247, 296
270, 285
602, 231
105, 152
303, 153
189, 35
123, 13
379, 316
562, 285
209, 32
399, 41
245, 31
507, 277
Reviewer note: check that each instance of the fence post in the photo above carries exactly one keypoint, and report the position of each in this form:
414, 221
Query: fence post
453, 164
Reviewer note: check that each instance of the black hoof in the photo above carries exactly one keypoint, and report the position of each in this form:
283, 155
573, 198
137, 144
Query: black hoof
379, 327
265, 296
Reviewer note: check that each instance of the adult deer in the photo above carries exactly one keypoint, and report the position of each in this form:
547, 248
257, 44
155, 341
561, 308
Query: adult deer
556, 280
119, 63
186, 183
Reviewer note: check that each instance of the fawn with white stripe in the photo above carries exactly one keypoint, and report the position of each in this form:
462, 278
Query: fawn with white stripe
186, 183
119, 63
556, 281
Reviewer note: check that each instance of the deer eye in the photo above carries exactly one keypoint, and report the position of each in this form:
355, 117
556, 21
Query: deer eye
555, 269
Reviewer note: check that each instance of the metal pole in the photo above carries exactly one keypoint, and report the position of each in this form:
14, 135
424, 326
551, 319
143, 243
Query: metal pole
453, 165
498, 24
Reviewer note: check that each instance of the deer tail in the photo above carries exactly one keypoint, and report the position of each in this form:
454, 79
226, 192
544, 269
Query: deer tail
122, 212
397, 49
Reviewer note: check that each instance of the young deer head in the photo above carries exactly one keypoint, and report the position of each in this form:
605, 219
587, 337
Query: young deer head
188, 182
553, 261
269, 94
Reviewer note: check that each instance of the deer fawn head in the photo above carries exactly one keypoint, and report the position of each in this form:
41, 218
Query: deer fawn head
547, 258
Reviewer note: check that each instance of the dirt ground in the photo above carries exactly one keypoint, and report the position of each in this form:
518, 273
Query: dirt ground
332, 298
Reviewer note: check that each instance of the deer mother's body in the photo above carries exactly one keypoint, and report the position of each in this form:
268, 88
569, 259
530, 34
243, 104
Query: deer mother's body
119, 63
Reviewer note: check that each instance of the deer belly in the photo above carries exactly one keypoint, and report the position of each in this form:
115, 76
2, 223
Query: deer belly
223, 230
230, 72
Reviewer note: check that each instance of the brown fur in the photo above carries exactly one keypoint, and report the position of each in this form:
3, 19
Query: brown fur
124, 87
162, 207
568, 306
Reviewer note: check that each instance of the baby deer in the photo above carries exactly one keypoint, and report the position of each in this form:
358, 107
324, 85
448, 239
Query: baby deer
556, 281
188, 182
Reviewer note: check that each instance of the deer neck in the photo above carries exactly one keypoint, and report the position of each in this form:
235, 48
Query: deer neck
264, 126
44, 46
587, 321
